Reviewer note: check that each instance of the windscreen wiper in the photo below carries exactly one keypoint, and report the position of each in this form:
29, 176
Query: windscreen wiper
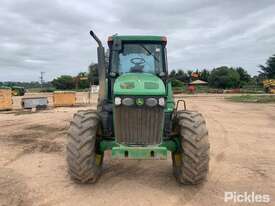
149, 52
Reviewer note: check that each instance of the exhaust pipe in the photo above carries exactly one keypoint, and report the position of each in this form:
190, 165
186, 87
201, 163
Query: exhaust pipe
101, 69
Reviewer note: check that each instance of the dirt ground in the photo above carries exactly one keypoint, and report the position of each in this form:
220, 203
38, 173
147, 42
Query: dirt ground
33, 166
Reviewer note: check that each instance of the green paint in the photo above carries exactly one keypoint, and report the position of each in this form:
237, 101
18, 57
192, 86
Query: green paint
139, 85
127, 85
149, 152
170, 103
172, 145
107, 145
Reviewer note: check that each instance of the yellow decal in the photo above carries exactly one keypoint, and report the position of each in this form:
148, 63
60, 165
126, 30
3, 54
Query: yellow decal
98, 159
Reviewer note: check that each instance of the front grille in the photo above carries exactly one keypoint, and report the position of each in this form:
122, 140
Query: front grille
138, 125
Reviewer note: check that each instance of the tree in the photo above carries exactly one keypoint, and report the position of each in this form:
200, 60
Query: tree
93, 74
244, 76
82, 81
269, 70
177, 83
172, 74
189, 76
64, 82
204, 75
182, 76
224, 77
259, 79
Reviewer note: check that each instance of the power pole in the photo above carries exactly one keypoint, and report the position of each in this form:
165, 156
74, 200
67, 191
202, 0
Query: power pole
41, 78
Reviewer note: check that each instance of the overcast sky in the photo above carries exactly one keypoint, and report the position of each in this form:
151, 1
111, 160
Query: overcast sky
53, 35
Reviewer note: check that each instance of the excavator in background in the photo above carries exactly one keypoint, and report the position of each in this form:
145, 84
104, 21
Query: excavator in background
269, 85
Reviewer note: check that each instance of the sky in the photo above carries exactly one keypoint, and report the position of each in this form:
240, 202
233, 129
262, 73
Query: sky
53, 36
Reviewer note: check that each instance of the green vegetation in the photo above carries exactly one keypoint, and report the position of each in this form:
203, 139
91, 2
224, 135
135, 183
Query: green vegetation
26, 85
224, 78
80, 82
64, 82
218, 79
253, 98
268, 71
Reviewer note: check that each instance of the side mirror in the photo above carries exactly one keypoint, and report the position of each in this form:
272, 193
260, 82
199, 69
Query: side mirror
162, 74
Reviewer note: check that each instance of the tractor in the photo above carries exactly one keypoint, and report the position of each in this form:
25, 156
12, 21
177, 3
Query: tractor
18, 91
137, 117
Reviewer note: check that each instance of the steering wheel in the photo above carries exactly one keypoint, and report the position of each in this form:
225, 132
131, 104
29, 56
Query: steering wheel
137, 61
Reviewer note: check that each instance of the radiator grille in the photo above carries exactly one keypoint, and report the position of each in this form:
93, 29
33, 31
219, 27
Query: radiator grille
138, 125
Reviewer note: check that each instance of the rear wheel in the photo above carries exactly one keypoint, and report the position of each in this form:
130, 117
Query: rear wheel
84, 164
190, 165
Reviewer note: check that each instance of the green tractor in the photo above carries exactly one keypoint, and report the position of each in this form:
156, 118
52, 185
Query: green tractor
136, 116
18, 91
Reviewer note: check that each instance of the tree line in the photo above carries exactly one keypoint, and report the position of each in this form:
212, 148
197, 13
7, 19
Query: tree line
225, 77
82, 81
27, 85
221, 77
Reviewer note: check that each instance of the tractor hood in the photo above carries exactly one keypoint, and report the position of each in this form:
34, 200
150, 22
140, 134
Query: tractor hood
139, 84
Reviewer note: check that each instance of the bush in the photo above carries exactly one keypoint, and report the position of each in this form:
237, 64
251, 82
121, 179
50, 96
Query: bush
64, 82
224, 78
177, 83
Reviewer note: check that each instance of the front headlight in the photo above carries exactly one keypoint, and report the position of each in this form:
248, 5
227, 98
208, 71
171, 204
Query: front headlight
162, 101
117, 101
151, 102
128, 101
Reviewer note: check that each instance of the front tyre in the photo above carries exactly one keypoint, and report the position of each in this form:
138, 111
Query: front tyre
191, 164
84, 164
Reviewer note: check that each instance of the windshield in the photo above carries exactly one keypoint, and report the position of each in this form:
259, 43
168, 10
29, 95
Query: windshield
136, 57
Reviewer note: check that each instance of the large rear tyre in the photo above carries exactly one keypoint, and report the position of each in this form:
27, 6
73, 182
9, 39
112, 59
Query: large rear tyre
84, 164
191, 164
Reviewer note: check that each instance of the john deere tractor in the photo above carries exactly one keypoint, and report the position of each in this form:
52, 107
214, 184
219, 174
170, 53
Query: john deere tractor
137, 117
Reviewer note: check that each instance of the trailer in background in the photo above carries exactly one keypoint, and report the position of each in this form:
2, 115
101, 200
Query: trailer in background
34, 102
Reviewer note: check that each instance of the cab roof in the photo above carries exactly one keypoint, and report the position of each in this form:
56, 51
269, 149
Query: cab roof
138, 38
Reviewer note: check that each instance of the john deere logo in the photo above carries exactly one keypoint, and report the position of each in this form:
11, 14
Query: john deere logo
139, 102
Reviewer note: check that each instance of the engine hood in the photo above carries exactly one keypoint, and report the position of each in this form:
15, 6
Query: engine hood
139, 84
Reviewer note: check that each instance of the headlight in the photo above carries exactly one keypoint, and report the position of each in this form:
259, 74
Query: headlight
151, 102
128, 101
117, 101
161, 101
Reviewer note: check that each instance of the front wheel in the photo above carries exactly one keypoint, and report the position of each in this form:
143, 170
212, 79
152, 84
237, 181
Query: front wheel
191, 163
84, 164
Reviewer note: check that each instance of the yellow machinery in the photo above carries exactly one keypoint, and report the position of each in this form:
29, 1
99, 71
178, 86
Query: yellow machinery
269, 85
5, 99
64, 98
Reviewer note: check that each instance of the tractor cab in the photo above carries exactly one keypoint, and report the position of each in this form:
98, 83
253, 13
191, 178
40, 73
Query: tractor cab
134, 60
137, 54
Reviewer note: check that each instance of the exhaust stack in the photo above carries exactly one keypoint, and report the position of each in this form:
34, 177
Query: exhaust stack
101, 69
